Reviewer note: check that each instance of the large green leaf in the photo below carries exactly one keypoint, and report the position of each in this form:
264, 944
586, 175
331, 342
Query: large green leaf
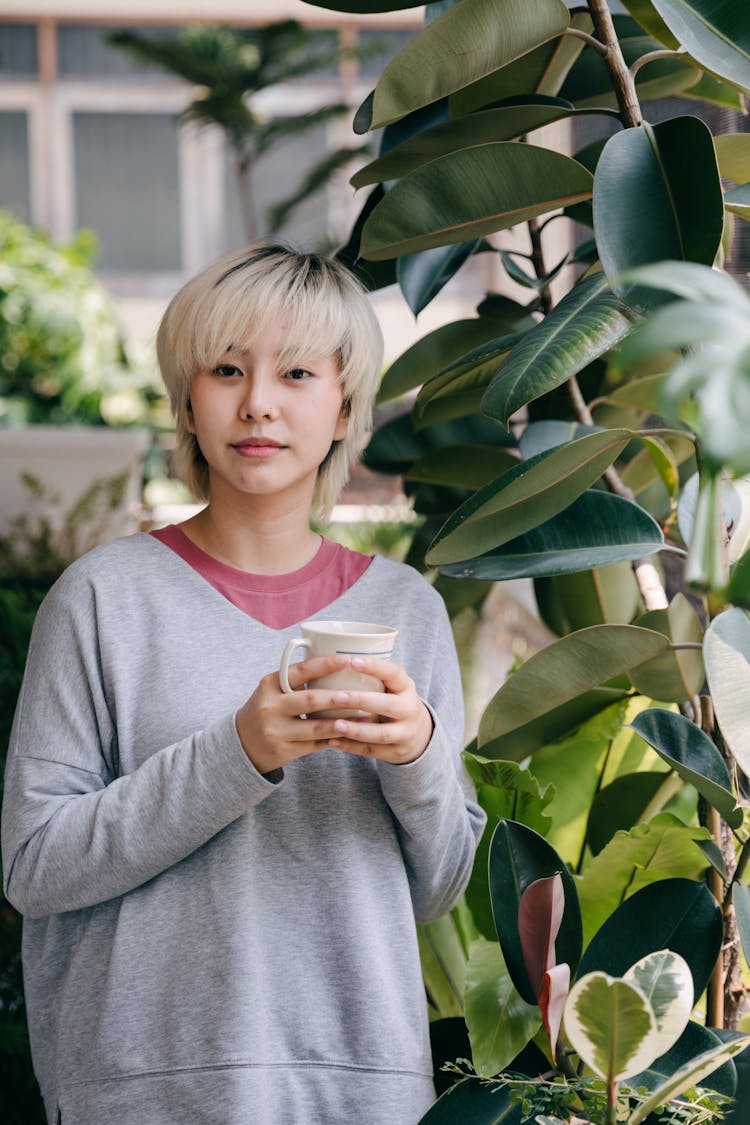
677, 914
687, 1076
474, 1103
694, 1040
606, 595
565, 670
737, 200
733, 155
726, 654
463, 466
500, 1022
526, 495
662, 848
692, 754
657, 195
518, 857
572, 768
596, 530
741, 904
502, 123
541, 71
463, 45
395, 446
422, 276
714, 32
610, 1024
443, 346
511, 182
646, 15
539, 732
470, 374
505, 792
621, 804
583, 326
677, 675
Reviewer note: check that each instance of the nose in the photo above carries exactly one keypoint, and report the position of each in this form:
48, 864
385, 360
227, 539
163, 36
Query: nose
259, 399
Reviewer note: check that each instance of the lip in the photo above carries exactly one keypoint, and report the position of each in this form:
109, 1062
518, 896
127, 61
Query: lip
257, 447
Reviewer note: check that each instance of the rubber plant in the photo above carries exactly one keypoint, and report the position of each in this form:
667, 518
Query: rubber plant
591, 438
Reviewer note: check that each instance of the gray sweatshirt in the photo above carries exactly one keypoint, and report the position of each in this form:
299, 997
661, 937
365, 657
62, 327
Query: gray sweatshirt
202, 946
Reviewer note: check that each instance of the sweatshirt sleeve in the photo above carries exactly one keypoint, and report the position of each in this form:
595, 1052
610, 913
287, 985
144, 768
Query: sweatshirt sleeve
433, 799
74, 833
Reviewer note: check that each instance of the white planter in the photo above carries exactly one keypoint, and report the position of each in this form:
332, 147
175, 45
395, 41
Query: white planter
66, 461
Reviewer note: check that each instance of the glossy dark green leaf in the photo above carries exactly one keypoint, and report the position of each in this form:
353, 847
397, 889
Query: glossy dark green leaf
738, 591
515, 744
541, 71
692, 754
596, 530
502, 123
422, 276
464, 466
563, 671
676, 914
586, 323
526, 495
715, 91
716, 33
442, 347
647, 17
395, 446
657, 195
373, 275
518, 857
473, 1103
460, 47
620, 805
606, 595
694, 1040
471, 372
505, 792
511, 183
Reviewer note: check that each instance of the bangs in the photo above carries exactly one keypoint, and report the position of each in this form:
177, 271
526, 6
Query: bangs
317, 323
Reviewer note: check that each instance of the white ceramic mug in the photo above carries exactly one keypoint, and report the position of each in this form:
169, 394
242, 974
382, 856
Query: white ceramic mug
356, 638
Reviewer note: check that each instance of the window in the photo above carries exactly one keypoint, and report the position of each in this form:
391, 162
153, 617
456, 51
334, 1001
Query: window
126, 175
14, 165
18, 50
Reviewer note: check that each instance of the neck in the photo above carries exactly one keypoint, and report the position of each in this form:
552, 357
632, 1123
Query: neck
253, 537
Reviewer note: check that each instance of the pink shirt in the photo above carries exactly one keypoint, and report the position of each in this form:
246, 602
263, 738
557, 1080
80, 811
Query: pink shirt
276, 600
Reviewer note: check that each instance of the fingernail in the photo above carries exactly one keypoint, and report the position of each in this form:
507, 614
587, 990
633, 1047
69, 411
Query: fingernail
341, 697
358, 662
340, 726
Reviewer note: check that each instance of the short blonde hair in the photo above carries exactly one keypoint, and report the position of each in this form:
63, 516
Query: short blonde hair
232, 301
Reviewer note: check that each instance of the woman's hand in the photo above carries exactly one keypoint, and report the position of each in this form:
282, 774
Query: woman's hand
271, 725
401, 726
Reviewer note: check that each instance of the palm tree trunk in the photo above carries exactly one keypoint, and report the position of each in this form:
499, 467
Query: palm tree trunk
243, 166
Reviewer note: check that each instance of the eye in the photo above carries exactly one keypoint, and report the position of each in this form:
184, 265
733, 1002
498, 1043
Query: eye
297, 374
226, 370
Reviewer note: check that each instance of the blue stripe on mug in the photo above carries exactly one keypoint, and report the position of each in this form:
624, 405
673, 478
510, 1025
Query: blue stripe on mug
358, 652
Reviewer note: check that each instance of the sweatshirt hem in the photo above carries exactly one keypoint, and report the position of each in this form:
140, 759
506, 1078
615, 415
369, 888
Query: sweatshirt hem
291, 1064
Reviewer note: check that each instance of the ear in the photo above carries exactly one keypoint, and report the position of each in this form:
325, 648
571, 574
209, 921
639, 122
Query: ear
342, 425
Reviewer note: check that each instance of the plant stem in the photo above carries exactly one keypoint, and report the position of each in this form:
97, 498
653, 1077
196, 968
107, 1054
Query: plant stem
576, 33
652, 56
537, 260
622, 79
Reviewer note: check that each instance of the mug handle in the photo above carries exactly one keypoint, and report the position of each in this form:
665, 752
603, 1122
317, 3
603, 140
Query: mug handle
294, 643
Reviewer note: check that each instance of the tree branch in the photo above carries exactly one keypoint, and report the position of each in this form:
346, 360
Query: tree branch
622, 79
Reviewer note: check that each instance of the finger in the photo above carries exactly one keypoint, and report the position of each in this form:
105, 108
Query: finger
317, 666
372, 703
380, 734
394, 677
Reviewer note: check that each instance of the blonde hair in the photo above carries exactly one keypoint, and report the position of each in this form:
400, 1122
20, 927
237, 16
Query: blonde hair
232, 301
